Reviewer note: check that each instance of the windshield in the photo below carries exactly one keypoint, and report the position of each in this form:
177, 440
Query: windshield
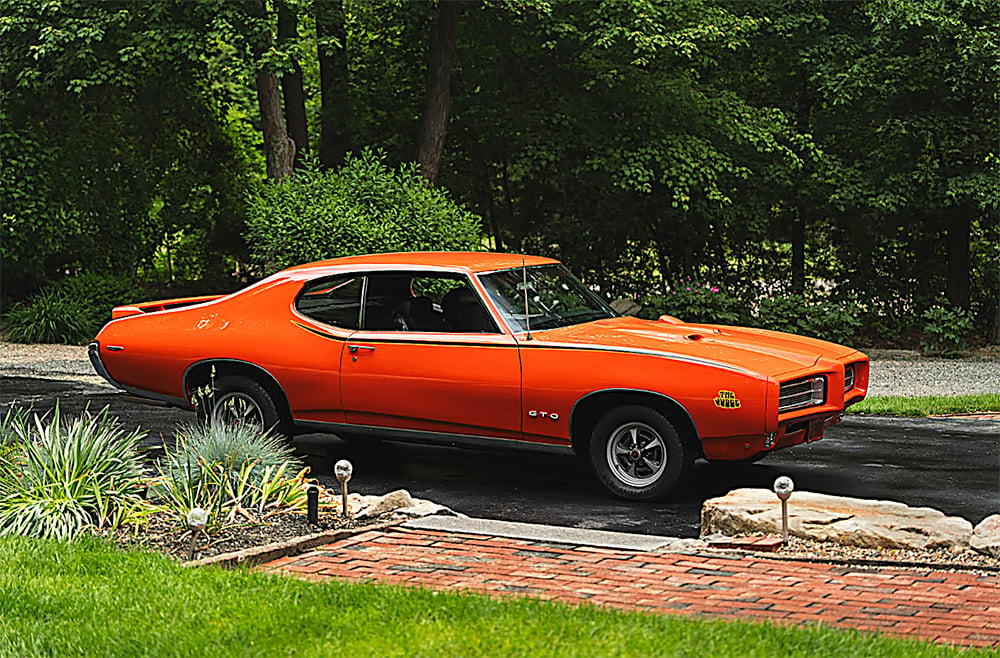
555, 298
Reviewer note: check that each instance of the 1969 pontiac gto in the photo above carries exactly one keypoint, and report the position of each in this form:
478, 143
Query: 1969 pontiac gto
482, 348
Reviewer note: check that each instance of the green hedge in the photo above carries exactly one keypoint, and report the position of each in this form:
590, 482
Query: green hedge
364, 207
70, 311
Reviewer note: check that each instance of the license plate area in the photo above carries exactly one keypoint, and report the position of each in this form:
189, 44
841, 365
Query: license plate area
815, 432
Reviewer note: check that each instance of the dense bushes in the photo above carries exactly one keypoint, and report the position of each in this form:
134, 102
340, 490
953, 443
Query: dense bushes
946, 330
69, 311
364, 207
697, 302
815, 314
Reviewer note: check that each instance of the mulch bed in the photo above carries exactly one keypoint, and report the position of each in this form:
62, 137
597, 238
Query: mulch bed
168, 535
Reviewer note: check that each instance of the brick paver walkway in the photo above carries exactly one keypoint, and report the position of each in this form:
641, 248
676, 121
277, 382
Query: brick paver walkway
960, 608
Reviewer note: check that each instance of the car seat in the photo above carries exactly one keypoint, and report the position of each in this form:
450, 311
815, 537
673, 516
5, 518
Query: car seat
463, 312
417, 314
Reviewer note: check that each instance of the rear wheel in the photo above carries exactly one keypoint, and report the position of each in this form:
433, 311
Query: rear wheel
638, 454
243, 401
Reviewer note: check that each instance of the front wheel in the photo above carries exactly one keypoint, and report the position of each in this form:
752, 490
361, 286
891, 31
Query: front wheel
638, 454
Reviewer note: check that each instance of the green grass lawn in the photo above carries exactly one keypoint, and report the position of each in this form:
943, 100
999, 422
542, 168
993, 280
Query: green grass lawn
927, 406
90, 599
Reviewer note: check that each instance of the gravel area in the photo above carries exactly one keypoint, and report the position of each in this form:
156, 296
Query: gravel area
807, 549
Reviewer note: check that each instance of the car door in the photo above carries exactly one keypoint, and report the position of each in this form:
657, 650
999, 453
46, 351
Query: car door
429, 359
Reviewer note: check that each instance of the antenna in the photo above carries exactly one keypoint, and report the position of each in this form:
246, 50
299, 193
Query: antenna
527, 319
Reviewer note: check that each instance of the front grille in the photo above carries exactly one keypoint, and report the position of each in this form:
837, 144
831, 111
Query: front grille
802, 393
849, 377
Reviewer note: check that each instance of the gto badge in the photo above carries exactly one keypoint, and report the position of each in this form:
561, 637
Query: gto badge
543, 414
727, 400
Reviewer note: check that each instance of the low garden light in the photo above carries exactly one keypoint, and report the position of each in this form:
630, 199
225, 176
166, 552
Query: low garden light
312, 504
784, 487
197, 518
343, 470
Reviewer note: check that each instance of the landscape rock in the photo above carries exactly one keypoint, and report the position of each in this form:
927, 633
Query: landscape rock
422, 508
848, 521
986, 536
390, 502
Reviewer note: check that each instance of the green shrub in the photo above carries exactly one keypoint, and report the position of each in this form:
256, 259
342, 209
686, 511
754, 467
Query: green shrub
946, 330
228, 470
70, 311
696, 302
48, 317
816, 315
67, 474
364, 207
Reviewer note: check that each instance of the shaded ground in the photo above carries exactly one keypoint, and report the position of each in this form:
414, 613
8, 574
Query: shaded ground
953, 466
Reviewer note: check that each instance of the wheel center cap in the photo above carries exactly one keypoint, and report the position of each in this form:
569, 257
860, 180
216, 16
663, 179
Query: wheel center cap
633, 453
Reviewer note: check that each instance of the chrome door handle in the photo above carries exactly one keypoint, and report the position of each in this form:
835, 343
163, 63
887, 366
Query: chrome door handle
354, 348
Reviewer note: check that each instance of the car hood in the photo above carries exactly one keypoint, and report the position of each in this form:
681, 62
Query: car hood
765, 352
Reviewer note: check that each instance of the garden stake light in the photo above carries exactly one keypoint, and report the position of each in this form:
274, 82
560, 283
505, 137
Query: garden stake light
343, 470
196, 520
312, 504
784, 487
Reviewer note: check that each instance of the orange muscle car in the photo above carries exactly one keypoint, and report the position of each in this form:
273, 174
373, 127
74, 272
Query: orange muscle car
482, 348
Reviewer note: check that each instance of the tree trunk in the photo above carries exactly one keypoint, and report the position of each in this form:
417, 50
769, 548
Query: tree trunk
291, 87
435, 125
798, 250
959, 262
279, 149
335, 115
995, 333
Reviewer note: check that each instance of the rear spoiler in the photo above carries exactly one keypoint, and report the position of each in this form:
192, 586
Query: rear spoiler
161, 305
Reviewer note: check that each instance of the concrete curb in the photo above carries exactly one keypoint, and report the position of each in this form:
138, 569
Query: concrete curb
544, 533
261, 554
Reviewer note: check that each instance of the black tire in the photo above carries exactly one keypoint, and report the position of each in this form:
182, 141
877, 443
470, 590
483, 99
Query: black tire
637, 454
243, 400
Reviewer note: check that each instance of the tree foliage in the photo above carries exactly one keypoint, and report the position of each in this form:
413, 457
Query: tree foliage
775, 146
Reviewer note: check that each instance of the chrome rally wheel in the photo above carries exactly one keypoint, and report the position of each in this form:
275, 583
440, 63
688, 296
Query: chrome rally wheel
244, 401
238, 408
638, 454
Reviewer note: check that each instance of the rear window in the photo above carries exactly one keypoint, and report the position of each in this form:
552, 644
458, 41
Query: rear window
334, 300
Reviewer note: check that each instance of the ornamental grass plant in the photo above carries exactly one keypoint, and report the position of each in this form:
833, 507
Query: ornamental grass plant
232, 471
59, 475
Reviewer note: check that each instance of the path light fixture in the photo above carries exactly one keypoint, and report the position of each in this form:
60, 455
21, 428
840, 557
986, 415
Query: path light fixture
784, 487
343, 470
312, 504
197, 518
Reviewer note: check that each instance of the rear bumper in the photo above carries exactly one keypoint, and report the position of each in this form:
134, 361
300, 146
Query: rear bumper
94, 352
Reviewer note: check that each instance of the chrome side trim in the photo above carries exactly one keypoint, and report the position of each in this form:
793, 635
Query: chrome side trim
421, 436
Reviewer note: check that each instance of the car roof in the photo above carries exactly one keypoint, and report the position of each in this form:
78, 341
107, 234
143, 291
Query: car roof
469, 261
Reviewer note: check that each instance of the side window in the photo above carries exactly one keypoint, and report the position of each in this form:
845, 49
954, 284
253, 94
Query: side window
425, 302
333, 300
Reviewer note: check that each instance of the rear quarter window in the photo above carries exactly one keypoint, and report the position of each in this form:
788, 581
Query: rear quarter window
332, 300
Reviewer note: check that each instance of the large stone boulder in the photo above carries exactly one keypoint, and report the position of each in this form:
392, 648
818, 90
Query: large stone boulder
848, 521
986, 536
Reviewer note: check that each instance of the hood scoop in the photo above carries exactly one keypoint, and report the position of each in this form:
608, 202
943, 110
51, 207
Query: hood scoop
699, 336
